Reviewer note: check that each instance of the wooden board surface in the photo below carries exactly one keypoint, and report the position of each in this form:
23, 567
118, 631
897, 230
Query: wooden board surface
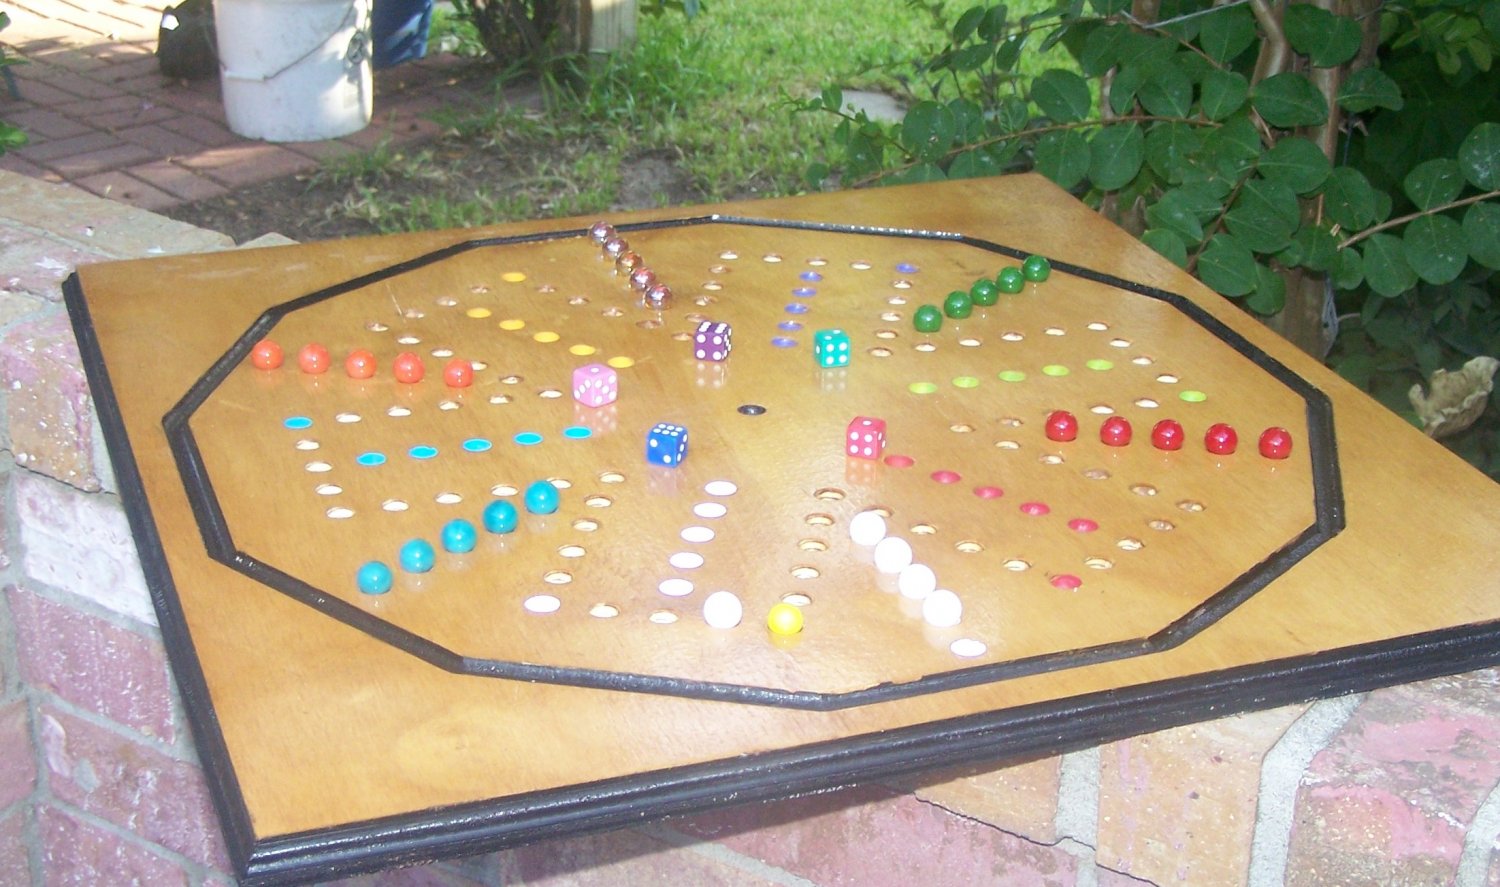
329, 733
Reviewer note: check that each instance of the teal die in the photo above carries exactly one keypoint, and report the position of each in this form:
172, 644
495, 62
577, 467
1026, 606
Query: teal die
831, 348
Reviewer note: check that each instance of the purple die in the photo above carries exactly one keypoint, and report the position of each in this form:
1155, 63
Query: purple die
712, 341
666, 444
595, 385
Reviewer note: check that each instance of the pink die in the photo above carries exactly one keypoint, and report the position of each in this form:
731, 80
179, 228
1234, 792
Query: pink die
595, 385
866, 438
712, 341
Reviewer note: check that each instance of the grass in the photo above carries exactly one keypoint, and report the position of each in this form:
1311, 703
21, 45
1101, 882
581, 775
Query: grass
713, 96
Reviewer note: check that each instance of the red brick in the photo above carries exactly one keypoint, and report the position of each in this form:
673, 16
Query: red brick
621, 857
145, 113
44, 123
53, 518
93, 109
37, 265
39, 92
116, 156
139, 789
18, 770
127, 189
213, 134
79, 84
49, 411
870, 836
43, 152
1391, 797
78, 852
247, 163
1178, 806
15, 863
178, 181
17, 164
97, 666
191, 99
1021, 799
416, 876
164, 142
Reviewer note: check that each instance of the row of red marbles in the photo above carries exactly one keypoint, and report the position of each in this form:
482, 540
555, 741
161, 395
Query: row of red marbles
1168, 434
630, 264
315, 359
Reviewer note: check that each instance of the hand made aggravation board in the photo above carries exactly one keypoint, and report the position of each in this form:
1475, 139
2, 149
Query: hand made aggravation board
487, 519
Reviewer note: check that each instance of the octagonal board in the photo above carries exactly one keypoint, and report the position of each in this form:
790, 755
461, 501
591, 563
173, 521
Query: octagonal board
1061, 553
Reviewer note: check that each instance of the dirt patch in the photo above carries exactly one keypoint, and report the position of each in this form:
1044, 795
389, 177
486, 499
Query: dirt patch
455, 182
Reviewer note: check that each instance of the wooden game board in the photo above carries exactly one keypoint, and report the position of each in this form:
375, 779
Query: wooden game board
561, 676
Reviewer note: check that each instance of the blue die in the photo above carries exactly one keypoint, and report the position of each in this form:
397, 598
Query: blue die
831, 348
666, 444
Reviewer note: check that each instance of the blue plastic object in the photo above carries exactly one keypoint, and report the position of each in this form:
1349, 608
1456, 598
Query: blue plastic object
459, 536
541, 498
375, 578
398, 30
500, 517
418, 556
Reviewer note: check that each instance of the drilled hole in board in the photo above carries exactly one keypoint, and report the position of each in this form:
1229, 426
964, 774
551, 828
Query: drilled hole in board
394, 505
812, 545
604, 611
923, 529
1098, 563
442, 352
796, 599
542, 604
663, 617
1011, 422
960, 428
306, 444
612, 312
1008, 444
1130, 543
512, 380
448, 406
817, 519
347, 418
1191, 506
860, 265
1055, 331
1051, 459
879, 351
901, 284
597, 501
649, 323
882, 510
1119, 343
704, 301
896, 300
1102, 409
891, 316
886, 334
1161, 525
1098, 326
1016, 565
408, 339
970, 342
329, 489
376, 326
1012, 336
803, 571
1146, 403
447, 498
571, 551
1143, 489
771, 258
561, 483
682, 336
446, 302
829, 494
499, 398
318, 467
504, 490
339, 512
549, 394
969, 546
557, 577
729, 255
1167, 379
926, 347
611, 477
578, 300
585, 525
1096, 474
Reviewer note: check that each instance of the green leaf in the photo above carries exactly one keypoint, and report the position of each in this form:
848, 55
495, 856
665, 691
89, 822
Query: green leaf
1326, 39
1063, 157
1370, 88
1386, 267
1258, 227
1479, 156
1434, 183
967, 24
922, 172
1227, 32
1489, 14
1168, 147
1348, 199
1227, 266
1317, 248
928, 130
1289, 100
993, 23
1168, 244
1348, 269
1012, 114
1223, 93
1168, 92
1482, 233
1174, 212
1296, 163
1062, 95
1127, 82
1269, 296
973, 164
1009, 52
1109, 7
1101, 49
1115, 156
971, 58
1435, 248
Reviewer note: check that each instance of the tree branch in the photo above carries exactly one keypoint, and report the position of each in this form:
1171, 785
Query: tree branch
1392, 223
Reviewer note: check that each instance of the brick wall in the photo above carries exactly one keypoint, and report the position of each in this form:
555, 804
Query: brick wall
99, 784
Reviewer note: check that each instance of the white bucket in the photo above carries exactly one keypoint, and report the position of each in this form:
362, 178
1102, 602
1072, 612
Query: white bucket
295, 70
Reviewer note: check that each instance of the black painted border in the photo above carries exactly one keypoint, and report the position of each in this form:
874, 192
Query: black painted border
1327, 498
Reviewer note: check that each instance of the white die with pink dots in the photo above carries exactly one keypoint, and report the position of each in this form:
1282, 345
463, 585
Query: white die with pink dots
865, 438
595, 385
